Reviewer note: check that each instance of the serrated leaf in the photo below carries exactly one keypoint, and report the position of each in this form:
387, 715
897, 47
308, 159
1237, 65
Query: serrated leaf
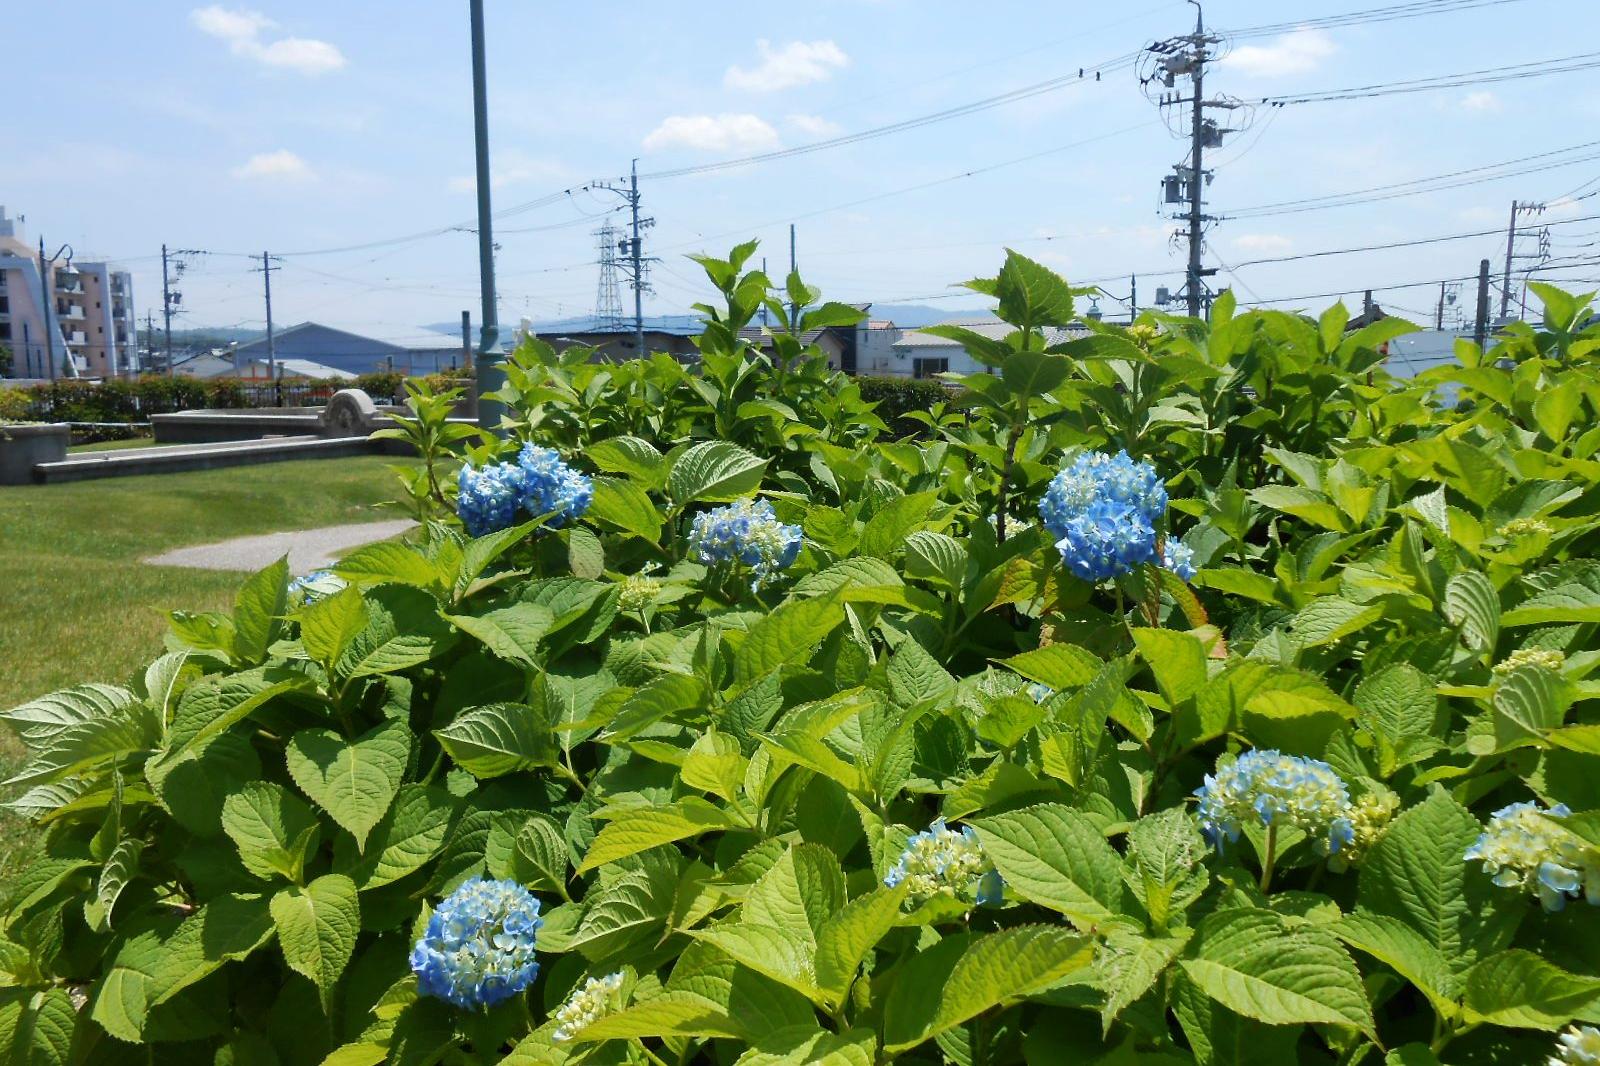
625, 506
1258, 964
1178, 661
317, 928
390, 562
257, 610
330, 623
513, 632
499, 739
410, 834
403, 630
786, 635
640, 830
964, 975
847, 938
354, 781
273, 829
714, 471
1472, 605
1061, 666
1519, 989
1056, 857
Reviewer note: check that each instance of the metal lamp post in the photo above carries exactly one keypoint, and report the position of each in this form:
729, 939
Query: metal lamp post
44, 302
489, 375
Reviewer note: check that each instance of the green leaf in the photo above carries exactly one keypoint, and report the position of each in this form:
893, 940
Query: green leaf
498, 739
36, 1026
886, 531
625, 506
915, 676
390, 562
1472, 605
329, 624
274, 830
1257, 963
354, 781
1529, 703
626, 455
714, 471
1305, 504
936, 556
257, 611
1177, 659
964, 975
317, 927
403, 630
638, 830
513, 633
1056, 857
405, 840
1405, 950
1061, 666
36, 721
1031, 294
786, 635
1329, 619
1570, 601
1416, 874
1521, 990
847, 938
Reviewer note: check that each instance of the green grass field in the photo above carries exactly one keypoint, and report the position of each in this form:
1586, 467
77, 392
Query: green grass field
80, 606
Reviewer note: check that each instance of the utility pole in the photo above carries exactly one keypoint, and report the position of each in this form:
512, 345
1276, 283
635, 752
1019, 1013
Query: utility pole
1133, 298
149, 336
1517, 207
1438, 318
1480, 333
272, 345
488, 373
1162, 65
44, 311
794, 268
638, 264
166, 306
765, 318
466, 340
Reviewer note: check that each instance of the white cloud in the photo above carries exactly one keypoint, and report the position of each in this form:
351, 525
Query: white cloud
1292, 53
1483, 102
282, 165
245, 32
719, 133
789, 65
815, 126
1270, 243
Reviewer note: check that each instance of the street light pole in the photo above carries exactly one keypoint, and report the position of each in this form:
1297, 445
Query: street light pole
44, 302
489, 375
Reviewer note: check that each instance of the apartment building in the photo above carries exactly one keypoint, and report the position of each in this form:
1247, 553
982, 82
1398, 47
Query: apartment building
77, 322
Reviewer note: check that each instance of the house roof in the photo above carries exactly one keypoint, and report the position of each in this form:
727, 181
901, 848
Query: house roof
991, 328
368, 344
306, 368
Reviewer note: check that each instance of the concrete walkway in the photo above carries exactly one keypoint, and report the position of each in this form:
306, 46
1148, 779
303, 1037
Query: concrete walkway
308, 549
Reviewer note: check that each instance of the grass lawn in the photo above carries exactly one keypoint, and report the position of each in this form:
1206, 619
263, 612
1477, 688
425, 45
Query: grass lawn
79, 605
113, 445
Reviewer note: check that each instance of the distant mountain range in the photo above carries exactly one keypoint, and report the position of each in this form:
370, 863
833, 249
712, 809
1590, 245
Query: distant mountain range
908, 316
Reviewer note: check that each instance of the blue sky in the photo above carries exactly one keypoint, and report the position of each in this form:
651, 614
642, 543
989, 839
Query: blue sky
294, 126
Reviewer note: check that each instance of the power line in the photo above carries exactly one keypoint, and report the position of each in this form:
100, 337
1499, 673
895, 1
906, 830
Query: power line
1487, 76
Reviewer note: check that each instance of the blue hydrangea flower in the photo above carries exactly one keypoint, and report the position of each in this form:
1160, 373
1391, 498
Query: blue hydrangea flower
1038, 692
1523, 849
1579, 1046
941, 860
489, 497
748, 532
1105, 540
1276, 789
1095, 477
1103, 511
478, 948
589, 1002
552, 487
1179, 558
314, 586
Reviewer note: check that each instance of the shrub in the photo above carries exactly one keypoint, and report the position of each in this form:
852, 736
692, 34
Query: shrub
898, 398
578, 790
16, 405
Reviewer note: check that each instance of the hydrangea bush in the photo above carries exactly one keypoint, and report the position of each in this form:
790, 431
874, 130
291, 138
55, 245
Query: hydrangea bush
1191, 693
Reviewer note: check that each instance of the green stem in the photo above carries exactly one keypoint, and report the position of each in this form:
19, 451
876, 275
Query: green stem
1271, 857
651, 1055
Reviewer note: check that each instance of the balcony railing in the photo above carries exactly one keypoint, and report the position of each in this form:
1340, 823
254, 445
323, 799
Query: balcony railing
70, 311
77, 336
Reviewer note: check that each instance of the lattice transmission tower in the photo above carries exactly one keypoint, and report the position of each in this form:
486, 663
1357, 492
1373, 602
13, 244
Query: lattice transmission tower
608, 297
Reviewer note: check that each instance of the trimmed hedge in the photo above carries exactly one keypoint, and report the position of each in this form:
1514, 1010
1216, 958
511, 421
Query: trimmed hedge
897, 397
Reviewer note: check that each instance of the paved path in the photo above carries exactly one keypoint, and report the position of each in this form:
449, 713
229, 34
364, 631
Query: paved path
308, 549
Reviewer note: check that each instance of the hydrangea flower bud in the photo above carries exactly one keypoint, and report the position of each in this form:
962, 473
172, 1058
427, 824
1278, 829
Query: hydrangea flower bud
747, 531
1369, 818
1524, 527
941, 860
1545, 657
638, 592
1578, 1046
1103, 510
1276, 789
551, 487
589, 1002
478, 947
1522, 848
314, 586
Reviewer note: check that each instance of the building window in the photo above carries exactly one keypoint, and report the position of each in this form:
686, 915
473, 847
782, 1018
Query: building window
5, 331
926, 368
